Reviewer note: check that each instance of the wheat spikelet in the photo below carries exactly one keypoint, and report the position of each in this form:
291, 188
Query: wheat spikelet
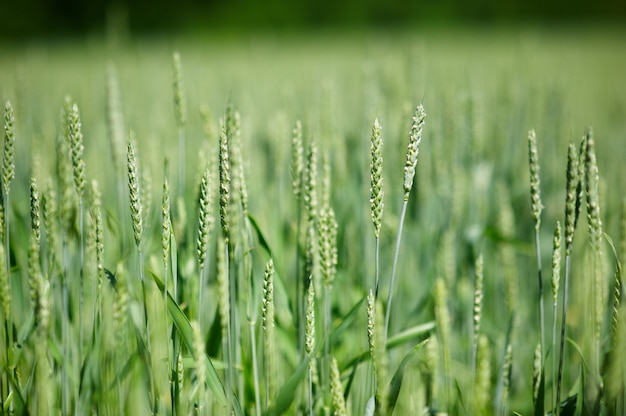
309, 333
556, 262
297, 159
96, 213
166, 225
310, 184
135, 194
205, 219
269, 337
77, 149
535, 196
336, 389
328, 245
376, 178
415, 137
8, 162
225, 178
572, 181
34, 271
35, 221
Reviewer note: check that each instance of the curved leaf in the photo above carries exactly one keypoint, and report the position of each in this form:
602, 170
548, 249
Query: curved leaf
184, 329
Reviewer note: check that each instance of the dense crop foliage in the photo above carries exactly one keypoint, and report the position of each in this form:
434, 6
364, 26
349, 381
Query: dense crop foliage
350, 224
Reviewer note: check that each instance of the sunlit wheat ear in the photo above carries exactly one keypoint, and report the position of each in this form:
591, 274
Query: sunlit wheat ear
199, 359
269, 336
135, 195
5, 288
572, 180
35, 221
376, 341
96, 213
328, 245
337, 390
535, 196
309, 333
166, 224
376, 178
223, 291
556, 277
224, 172
205, 219
297, 159
8, 162
556, 262
77, 149
581, 179
34, 270
310, 184
415, 137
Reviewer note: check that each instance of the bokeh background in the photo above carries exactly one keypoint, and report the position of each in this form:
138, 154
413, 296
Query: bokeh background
35, 18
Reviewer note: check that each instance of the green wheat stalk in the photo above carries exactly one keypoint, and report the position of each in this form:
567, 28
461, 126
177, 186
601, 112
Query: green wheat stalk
377, 193
415, 137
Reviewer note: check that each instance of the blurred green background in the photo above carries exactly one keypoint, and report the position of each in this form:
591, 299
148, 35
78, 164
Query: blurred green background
35, 18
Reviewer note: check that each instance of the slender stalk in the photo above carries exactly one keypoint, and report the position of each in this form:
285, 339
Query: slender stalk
556, 272
255, 369
393, 269
415, 137
541, 309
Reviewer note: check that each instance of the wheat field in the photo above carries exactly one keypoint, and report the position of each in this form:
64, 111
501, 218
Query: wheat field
340, 223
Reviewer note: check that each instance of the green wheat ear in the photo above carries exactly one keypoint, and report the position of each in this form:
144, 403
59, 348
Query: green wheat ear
535, 196
8, 163
77, 149
135, 195
336, 389
376, 178
415, 137
269, 338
